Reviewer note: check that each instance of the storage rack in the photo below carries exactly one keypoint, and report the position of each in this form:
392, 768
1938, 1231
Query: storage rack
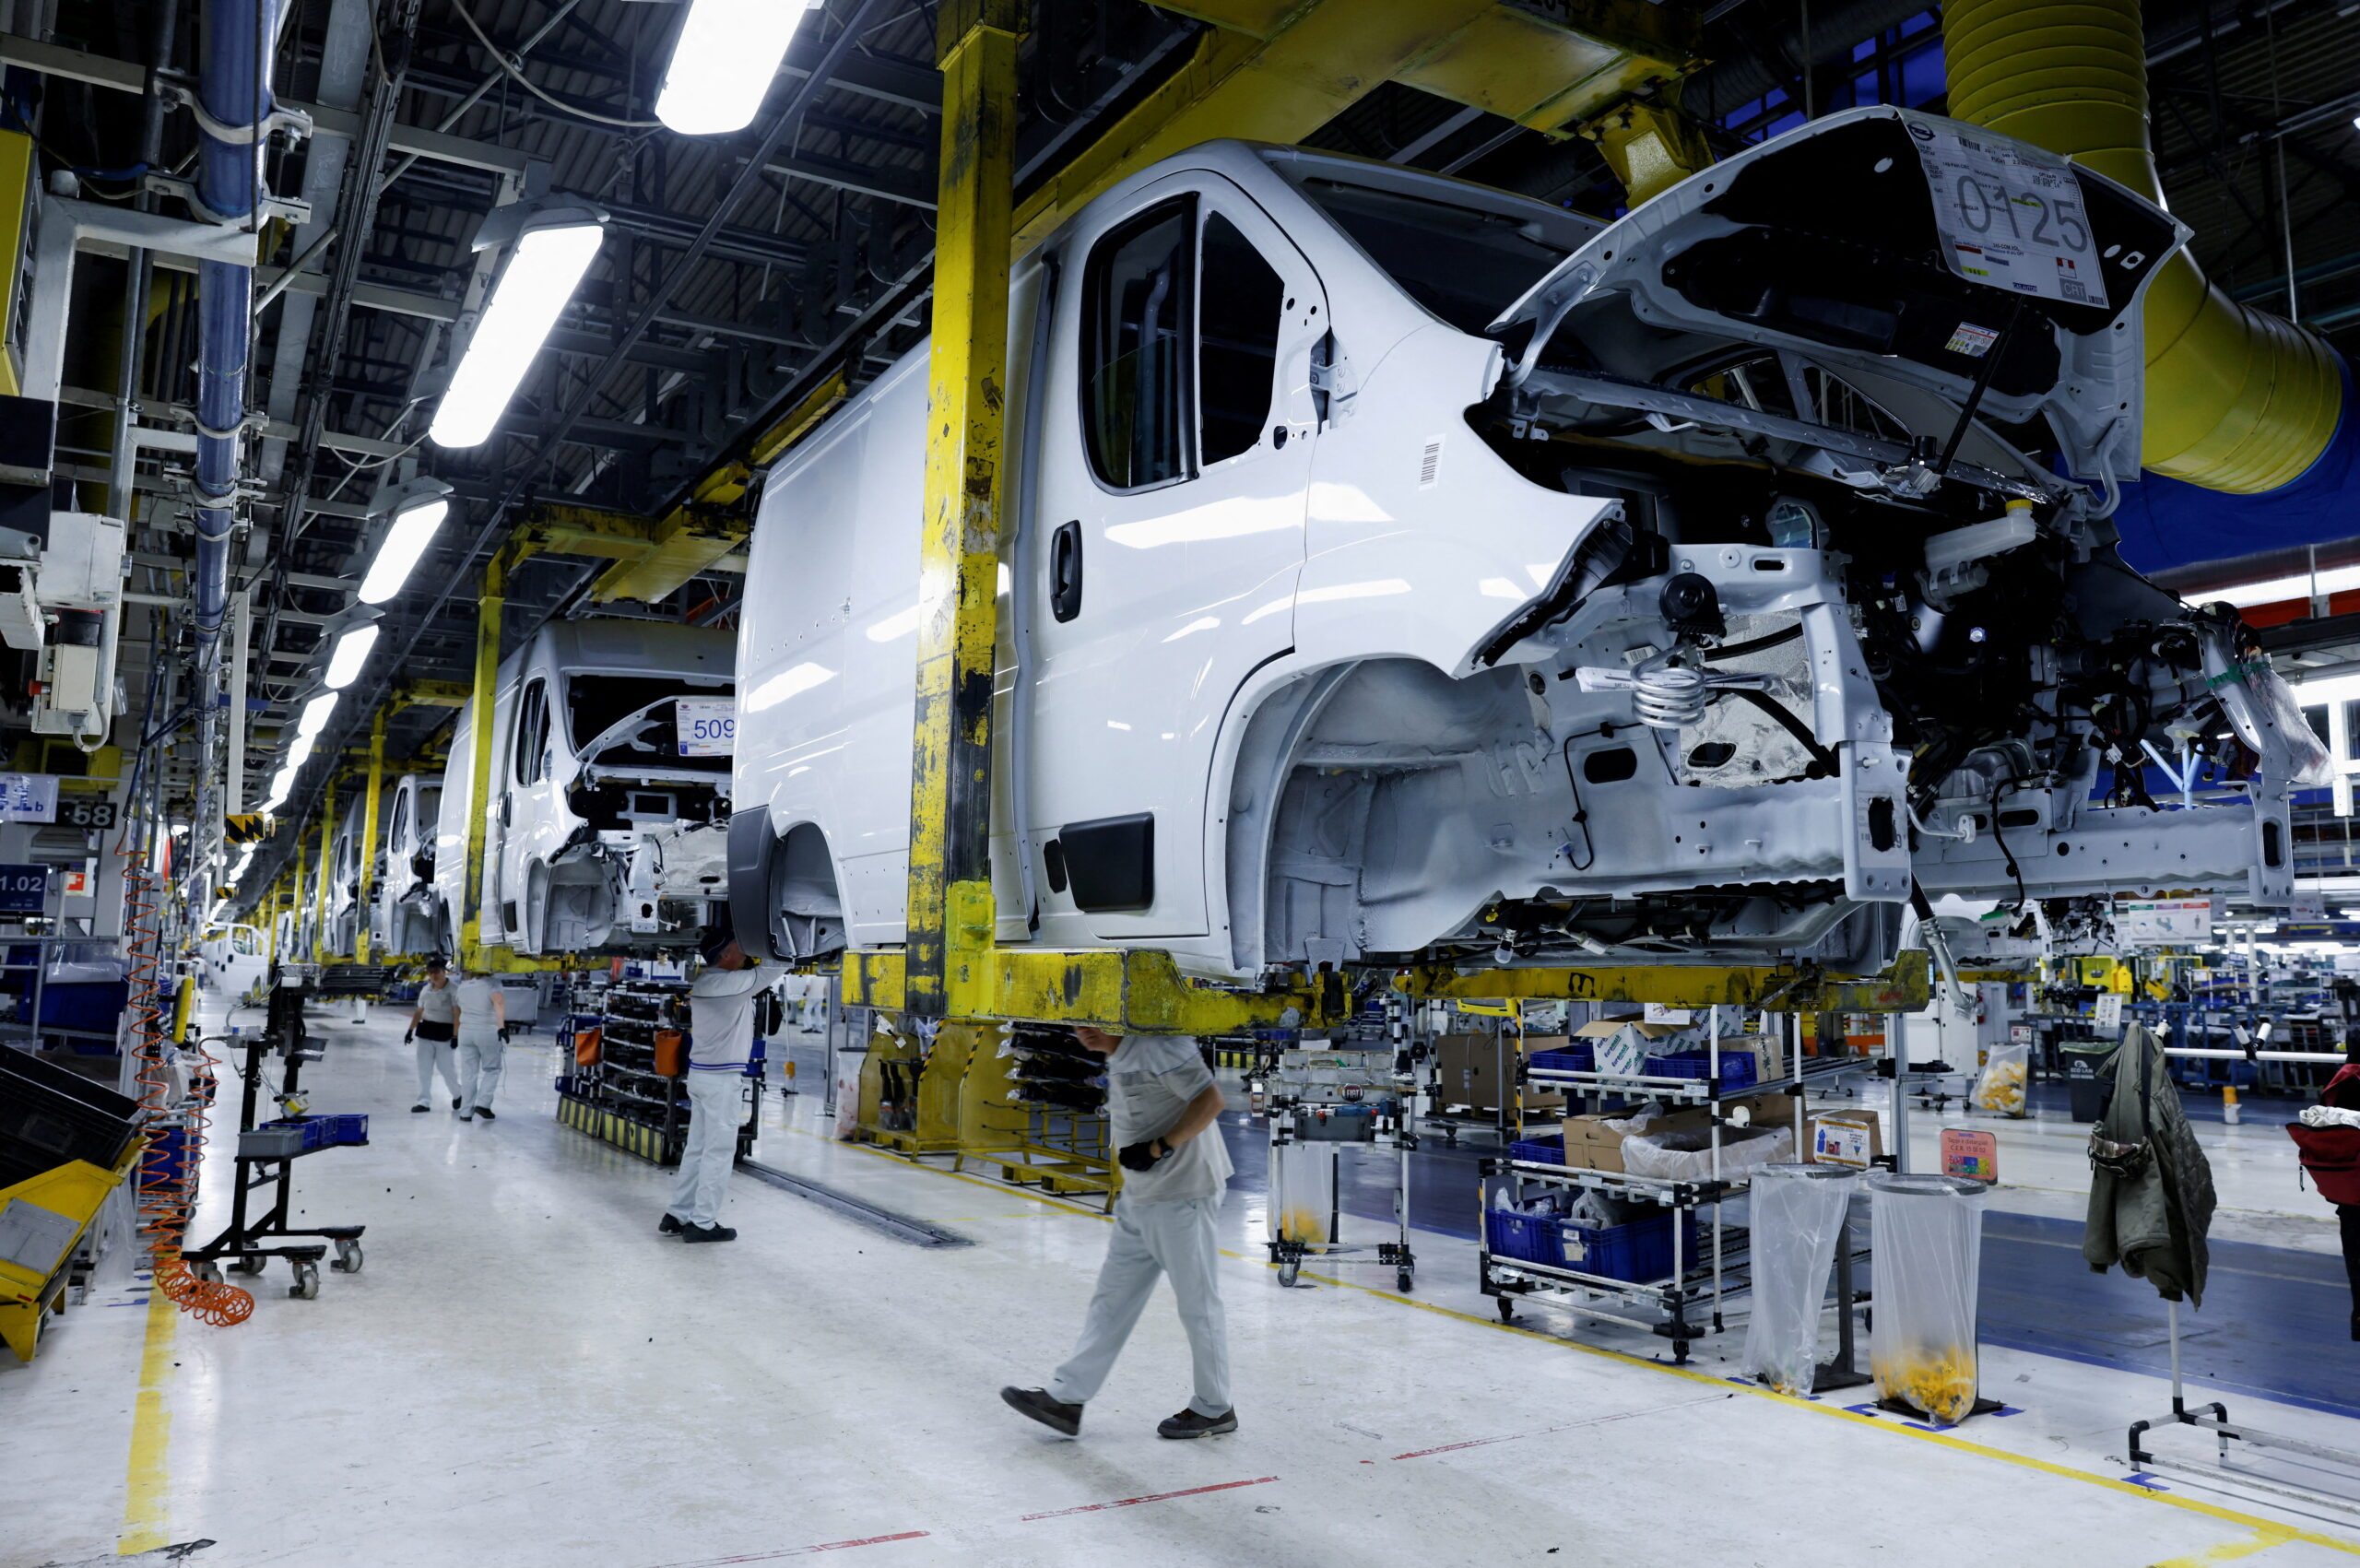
1672, 1302
1034, 1108
622, 1100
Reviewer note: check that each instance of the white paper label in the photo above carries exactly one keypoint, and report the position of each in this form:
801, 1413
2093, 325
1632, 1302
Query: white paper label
2109, 1015
708, 726
2009, 217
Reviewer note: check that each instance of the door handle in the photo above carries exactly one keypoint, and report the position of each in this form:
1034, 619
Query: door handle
1065, 573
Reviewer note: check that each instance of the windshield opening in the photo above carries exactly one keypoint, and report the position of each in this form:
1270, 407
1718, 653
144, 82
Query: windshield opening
1464, 265
595, 703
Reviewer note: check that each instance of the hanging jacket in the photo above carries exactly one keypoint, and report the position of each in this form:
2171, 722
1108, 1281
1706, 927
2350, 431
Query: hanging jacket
2155, 1223
2332, 1155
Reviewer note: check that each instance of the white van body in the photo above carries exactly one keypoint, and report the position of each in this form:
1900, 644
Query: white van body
234, 963
1398, 568
587, 763
406, 914
344, 886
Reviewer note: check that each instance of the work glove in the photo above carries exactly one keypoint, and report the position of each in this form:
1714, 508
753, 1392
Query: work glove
2330, 1116
1144, 1155
504, 1034
410, 1035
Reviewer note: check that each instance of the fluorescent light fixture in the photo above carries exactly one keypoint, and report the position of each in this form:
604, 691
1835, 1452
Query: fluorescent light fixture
553, 249
279, 787
180, 830
316, 713
300, 753
416, 519
2278, 590
723, 62
352, 651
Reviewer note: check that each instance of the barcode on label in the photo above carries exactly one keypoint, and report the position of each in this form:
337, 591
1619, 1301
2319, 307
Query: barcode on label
1430, 469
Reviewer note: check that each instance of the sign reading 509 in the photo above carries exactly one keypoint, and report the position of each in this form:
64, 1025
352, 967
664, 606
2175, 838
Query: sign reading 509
707, 725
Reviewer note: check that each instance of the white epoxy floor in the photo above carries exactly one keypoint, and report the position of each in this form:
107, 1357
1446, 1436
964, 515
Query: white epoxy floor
525, 1374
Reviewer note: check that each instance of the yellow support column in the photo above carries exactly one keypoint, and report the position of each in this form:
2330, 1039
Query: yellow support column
950, 887
488, 613
327, 872
298, 893
369, 836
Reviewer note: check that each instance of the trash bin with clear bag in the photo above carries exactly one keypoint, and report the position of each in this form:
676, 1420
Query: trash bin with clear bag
2004, 1080
1926, 1233
1797, 1213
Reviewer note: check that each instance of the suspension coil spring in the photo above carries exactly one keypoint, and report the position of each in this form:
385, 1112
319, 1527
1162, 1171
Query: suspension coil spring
1668, 696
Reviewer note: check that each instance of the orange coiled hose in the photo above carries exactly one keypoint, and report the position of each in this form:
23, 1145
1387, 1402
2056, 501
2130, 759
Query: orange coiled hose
167, 1203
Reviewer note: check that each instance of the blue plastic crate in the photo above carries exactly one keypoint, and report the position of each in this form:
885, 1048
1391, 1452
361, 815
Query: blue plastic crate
1572, 1059
1737, 1066
1523, 1238
334, 1131
1639, 1251
1539, 1151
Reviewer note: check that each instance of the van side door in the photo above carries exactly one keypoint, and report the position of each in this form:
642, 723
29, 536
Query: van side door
1177, 426
525, 809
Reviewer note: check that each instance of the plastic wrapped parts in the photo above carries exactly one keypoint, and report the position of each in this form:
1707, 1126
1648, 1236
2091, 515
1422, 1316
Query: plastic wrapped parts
2000, 1089
1686, 1154
1798, 1214
1927, 1235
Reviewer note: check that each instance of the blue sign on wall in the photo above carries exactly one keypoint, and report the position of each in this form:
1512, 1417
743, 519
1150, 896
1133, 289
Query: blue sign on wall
24, 890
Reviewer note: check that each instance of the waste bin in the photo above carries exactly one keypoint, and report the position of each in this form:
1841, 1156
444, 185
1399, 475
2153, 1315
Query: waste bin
1925, 1233
1798, 1214
2084, 1079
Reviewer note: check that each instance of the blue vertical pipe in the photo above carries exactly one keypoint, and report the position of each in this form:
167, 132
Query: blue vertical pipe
234, 86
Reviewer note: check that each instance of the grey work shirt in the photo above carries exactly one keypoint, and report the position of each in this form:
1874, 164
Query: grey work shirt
434, 1002
1150, 1081
721, 1016
476, 995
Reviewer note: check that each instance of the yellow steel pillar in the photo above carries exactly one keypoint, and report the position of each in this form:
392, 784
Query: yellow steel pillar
301, 892
369, 836
487, 682
950, 886
327, 872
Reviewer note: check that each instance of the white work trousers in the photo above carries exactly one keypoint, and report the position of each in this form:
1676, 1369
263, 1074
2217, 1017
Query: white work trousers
480, 1055
716, 1105
1151, 1239
435, 1055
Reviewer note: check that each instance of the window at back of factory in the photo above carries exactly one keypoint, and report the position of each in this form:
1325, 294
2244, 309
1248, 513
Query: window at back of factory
1240, 300
1136, 296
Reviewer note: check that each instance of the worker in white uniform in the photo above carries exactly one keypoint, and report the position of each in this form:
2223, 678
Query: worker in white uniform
432, 1026
721, 1044
482, 1019
1161, 1101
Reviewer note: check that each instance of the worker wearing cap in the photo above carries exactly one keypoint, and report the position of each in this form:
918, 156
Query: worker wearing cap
1161, 1103
721, 1044
481, 1009
433, 1024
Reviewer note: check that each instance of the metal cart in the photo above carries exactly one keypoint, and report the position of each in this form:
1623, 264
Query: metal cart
1332, 1126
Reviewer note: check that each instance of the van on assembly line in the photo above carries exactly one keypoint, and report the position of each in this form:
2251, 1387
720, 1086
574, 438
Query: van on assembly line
604, 737
344, 886
405, 921
1398, 568
234, 962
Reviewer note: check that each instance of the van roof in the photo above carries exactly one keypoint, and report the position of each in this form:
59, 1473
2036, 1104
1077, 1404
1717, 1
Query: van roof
632, 646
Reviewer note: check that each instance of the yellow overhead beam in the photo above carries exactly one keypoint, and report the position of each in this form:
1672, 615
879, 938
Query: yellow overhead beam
1277, 70
431, 694
1906, 989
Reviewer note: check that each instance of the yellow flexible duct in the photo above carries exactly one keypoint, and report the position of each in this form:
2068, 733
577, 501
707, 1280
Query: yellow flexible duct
2237, 399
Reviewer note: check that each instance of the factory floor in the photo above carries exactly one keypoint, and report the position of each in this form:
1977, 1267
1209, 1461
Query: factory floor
525, 1374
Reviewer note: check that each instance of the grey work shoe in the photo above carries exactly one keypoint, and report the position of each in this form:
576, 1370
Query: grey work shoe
670, 1225
1188, 1423
707, 1233
1054, 1414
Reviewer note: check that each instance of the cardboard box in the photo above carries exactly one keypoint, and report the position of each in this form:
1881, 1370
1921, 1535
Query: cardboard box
1467, 1072
1845, 1137
1591, 1145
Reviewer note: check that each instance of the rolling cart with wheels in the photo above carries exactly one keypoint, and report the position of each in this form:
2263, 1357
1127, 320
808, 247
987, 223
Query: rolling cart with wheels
265, 1167
1305, 1212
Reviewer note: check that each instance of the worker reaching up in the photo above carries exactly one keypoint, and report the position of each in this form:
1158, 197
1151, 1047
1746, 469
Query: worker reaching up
721, 1044
1161, 1099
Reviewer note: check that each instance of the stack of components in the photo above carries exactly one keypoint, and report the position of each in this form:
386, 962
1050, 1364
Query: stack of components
642, 1049
1053, 1072
64, 1144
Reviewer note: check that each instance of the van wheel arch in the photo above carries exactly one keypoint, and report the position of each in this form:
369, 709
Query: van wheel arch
784, 889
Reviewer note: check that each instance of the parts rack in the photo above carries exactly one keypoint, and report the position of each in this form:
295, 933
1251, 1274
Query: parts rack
622, 1098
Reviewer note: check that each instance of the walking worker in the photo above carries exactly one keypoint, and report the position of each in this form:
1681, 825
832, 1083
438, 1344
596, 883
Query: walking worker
432, 1024
1160, 1099
721, 1044
482, 1020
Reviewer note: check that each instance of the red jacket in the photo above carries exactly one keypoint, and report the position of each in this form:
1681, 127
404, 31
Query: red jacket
2332, 1155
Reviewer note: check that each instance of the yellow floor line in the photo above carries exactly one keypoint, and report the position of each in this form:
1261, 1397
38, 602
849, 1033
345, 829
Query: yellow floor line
2261, 1540
151, 1424
2267, 1533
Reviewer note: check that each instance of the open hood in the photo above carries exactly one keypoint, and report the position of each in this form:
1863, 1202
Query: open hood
1904, 246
